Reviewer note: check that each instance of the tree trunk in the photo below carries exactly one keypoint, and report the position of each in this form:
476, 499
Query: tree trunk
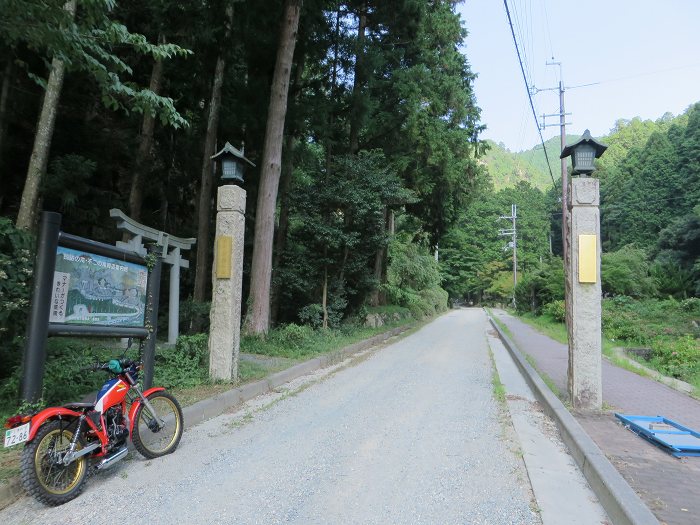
283, 224
356, 116
377, 297
203, 272
324, 302
258, 319
39, 160
145, 143
4, 94
290, 144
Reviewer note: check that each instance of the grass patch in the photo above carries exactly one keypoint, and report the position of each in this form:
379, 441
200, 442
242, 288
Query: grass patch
547, 380
499, 390
548, 326
302, 342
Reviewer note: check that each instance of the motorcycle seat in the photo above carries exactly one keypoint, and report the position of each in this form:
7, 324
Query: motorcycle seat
78, 406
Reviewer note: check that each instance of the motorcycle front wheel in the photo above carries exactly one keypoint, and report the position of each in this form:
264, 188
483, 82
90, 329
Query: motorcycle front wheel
157, 437
42, 471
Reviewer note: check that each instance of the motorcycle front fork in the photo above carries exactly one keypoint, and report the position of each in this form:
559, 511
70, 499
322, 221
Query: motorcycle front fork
149, 406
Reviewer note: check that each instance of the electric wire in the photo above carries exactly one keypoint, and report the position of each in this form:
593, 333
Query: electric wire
549, 32
637, 75
529, 96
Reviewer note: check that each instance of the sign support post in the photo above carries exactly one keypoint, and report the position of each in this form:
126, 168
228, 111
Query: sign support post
152, 303
38, 325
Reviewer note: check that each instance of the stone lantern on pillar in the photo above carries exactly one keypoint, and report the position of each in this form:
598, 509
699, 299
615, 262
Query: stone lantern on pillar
583, 289
227, 271
232, 164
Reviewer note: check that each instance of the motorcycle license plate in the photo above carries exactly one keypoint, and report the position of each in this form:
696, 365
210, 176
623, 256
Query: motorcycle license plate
15, 436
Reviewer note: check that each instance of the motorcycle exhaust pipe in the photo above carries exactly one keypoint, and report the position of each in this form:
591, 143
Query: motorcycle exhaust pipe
112, 459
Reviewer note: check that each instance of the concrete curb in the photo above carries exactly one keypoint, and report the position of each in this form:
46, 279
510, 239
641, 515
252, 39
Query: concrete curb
619, 500
220, 403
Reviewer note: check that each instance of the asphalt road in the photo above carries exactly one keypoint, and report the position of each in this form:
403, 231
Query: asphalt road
410, 433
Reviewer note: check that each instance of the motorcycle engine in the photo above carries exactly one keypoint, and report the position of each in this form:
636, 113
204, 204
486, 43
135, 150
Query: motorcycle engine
116, 426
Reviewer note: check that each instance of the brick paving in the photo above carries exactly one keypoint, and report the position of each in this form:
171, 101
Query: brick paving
669, 486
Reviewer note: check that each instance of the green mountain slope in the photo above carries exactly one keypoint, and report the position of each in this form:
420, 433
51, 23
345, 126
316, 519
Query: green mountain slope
507, 168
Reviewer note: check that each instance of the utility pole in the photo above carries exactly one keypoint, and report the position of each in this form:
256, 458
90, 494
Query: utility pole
562, 130
564, 181
512, 232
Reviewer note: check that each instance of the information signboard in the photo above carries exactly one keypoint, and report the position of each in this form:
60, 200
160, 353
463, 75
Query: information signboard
90, 289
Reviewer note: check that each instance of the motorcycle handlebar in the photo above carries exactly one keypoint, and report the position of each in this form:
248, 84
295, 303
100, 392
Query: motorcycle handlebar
124, 364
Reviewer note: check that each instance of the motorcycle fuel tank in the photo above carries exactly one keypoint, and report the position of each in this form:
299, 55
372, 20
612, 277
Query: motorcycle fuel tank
112, 392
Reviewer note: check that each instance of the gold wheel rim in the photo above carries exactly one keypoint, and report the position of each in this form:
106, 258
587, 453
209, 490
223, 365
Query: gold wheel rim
148, 437
55, 477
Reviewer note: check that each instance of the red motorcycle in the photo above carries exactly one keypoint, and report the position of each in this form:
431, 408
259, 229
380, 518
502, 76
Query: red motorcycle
63, 443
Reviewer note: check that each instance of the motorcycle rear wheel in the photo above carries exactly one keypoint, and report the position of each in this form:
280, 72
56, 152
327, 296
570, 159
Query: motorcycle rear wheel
152, 438
43, 474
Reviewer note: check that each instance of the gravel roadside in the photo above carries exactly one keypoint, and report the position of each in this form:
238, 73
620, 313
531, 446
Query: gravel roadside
409, 434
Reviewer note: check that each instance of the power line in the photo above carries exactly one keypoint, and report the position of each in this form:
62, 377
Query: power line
529, 96
549, 32
637, 75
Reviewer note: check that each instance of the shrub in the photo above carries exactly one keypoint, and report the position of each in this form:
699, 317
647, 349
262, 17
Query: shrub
678, 358
292, 335
556, 310
16, 266
690, 305
185, 365
626, 272
672, 280
622, 325
194, 316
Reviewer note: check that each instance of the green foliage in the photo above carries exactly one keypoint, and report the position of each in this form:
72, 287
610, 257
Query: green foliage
507, 168
679, 358
86, 43
292, 335
413, 279
194, 314
184, 366
16, 267
64, 379
626, 272
475, 261
542, 285
337, 224
691, 305
672, 280
643, 321
649, 186
556, 310
293, 341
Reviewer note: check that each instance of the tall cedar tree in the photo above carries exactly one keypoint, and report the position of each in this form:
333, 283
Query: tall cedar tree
258, 318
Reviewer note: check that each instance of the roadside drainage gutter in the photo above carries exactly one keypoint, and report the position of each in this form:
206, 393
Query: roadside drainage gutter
619, 500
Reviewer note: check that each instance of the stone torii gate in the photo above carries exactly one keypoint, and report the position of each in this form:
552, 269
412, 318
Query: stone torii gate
172, 254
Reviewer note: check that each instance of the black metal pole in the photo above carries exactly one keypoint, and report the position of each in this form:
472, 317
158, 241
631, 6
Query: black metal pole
38, 325
153, 291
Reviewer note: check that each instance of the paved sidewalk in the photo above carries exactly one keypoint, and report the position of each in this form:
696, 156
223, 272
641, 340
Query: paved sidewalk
669, 486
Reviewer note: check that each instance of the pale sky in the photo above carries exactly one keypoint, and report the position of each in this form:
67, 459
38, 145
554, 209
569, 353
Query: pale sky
644, 53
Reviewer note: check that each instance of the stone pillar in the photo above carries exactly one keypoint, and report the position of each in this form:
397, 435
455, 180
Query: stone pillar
585, 343
174, 298
227, 274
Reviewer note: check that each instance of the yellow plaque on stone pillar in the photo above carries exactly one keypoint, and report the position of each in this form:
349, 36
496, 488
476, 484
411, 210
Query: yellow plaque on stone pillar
587, 259
223, 257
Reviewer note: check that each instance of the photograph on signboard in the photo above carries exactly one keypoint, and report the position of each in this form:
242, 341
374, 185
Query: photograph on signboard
90, 289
